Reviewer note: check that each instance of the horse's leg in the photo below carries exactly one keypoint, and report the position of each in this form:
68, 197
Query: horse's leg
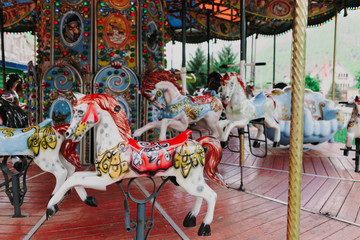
50, 163
85, 179
190, 219
179, 124
270, 122
210, 121
89, 200
259, 134
348, 142
231, 125
195, 185
147, 127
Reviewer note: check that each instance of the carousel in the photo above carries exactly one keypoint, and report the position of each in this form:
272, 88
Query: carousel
104, 142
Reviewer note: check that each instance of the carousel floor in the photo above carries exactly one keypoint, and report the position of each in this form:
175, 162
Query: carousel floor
330, 202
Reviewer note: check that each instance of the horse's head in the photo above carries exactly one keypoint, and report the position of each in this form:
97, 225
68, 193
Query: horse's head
86, 115
155, 94
356, 110
156, 97
229, 84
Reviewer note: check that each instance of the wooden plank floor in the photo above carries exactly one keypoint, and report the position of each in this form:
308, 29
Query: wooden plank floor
330, 202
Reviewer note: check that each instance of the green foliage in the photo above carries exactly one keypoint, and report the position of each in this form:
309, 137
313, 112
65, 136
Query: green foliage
226, 56
357, 77
337, 93
312, 83
198, 65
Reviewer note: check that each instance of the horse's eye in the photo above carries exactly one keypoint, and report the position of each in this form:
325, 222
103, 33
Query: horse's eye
159, 93
80, 112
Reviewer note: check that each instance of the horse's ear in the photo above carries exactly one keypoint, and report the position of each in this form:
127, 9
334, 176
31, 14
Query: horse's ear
117, 108
77, 95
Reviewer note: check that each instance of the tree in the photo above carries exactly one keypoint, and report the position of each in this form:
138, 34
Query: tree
312, 83
357, 77
337, 94
198, 65
226, 56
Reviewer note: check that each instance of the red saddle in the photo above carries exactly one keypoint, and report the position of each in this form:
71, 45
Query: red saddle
151, 157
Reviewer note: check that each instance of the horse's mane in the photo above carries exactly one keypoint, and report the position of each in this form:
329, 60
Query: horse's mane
152, 78
226, 78
108, 103
12, 115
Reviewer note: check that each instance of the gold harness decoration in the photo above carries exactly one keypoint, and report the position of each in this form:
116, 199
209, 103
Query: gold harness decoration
81, 127
8, 132
111, 163
44, 138
186, 161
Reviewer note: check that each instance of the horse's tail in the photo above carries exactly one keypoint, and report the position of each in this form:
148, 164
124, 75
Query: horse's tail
68, 147
212, 158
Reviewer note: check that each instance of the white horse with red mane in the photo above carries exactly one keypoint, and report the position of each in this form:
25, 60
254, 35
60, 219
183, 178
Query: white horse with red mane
119, 157
240, 110
353, 127
179, 111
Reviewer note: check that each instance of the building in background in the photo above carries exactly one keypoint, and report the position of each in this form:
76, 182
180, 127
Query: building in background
345, 81
19, 50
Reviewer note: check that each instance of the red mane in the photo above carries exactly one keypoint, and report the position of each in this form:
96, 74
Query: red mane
152, 78
108, 103
226, 78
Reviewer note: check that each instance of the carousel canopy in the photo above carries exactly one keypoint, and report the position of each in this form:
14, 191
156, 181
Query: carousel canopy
263, 17
19, 16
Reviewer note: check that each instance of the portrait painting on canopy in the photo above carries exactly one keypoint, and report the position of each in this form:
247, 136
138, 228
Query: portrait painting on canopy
71, 28
117, 30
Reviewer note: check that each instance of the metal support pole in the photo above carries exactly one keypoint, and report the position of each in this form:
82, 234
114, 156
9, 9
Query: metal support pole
183, 65
2, 43
253, 60
208, 40
140, 220
334, 59
243, 39
297, 119
274, 60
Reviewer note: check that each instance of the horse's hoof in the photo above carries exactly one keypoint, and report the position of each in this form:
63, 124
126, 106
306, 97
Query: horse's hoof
256, 144
91, 201
190, 220
276, 144
224, 144
204, 230
51, 211
18, 166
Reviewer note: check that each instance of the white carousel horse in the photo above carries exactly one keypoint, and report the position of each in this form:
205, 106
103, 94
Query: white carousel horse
179, 111
353, 127
240, 110
49, 149
120, 157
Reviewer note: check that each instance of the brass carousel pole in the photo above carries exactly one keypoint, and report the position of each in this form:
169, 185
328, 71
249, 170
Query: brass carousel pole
297, 119
334, 59
242, 73
2, 42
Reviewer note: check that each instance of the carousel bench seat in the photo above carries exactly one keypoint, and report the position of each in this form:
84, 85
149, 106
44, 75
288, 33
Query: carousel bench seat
321, 119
